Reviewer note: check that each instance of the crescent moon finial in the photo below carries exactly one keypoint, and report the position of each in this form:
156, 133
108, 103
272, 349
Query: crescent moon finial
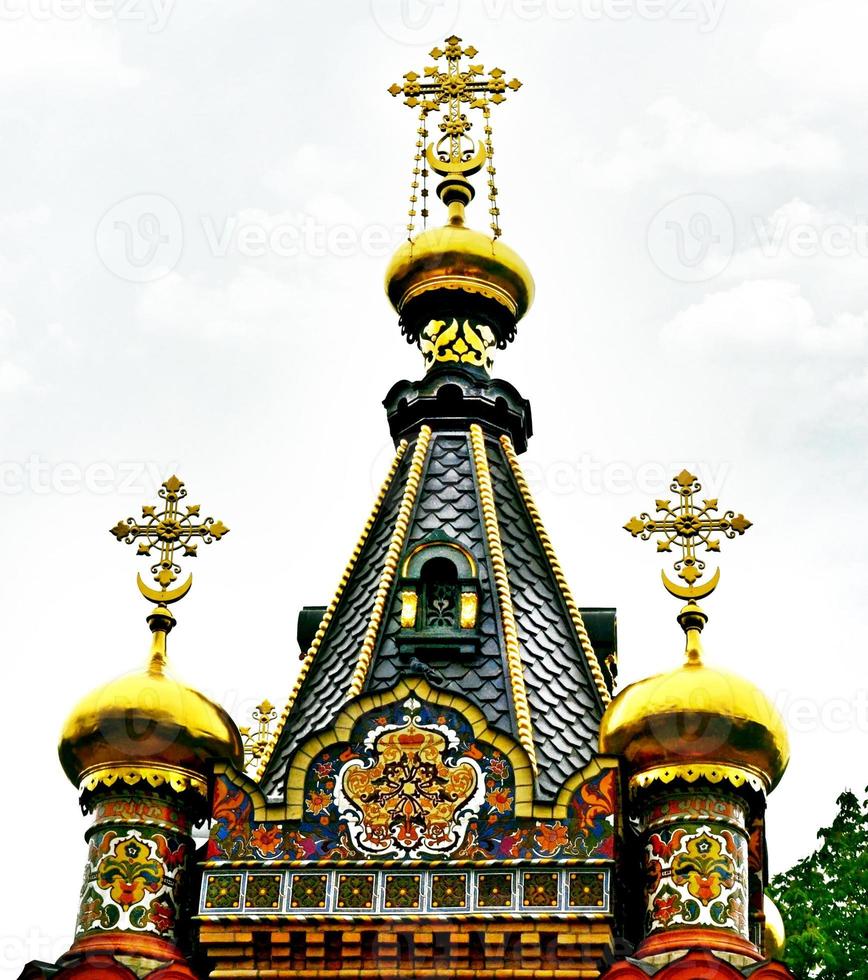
164, 597
694, 592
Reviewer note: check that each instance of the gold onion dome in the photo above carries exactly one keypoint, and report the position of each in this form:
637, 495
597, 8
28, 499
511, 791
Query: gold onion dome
696, 716
774, 931
459, 259
455, 271
147, 719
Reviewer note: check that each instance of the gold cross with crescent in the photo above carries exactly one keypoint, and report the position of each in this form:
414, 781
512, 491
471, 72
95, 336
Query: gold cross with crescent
689, 524
163, 532
453, 88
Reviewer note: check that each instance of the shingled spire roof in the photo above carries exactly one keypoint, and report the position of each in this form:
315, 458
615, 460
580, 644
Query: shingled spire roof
533, 673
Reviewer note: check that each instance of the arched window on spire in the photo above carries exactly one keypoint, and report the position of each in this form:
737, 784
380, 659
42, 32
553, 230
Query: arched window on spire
439, 592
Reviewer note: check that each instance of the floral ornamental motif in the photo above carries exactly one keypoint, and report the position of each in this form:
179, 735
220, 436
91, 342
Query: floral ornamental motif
704, 868
266, 841
696, 877
491, 830
416, 797
128, 871
457, 343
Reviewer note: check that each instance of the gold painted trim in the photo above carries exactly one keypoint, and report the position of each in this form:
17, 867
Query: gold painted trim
691, 771
467, 284
180, 780
507, 613
560, 578
373, 864
439, 544
415, 687
390, 566
330, 611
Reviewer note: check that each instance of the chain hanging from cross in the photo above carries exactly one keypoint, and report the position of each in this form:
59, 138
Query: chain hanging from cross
688, 525
452, 89
162, 533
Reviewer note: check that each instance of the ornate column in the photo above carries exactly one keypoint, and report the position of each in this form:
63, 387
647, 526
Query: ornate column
702, 748
695, 867
141, 750
139, 860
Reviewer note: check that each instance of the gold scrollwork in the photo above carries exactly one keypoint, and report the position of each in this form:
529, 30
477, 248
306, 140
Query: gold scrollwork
457, 343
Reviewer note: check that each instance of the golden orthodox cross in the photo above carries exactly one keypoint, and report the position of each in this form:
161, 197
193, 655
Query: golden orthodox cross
451, 88
688, 525
176, 526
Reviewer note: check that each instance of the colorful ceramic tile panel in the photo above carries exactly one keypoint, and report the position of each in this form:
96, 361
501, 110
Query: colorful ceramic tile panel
448, 891
262, 892
697, 875
495, 890
223, 892
308, 891
587, 889
132, 879
343, 820
355, 891
402, 891
424, 892
540, 889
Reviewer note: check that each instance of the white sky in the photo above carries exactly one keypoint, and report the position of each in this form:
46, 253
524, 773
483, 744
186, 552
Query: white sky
685, 179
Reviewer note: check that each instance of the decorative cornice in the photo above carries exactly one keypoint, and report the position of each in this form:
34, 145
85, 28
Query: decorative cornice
390, 566
179, 780
507, 613
330, 611
690, 772
560, 578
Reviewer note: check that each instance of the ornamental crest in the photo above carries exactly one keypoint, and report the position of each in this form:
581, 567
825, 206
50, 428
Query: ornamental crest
415, 796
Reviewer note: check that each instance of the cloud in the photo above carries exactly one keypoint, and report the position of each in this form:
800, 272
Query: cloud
820, 48
765, 316
824, 250
251, 302
13, 376
673, 137
53, 49
309, 169
801, 380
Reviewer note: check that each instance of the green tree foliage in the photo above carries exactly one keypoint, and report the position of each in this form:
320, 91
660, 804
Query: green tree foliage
824, 900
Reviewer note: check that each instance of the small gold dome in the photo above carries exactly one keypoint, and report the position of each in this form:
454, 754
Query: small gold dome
147, 719
456, 257
774, 932
696, 715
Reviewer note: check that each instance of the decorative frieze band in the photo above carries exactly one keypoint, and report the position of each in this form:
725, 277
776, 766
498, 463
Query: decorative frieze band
394, 891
